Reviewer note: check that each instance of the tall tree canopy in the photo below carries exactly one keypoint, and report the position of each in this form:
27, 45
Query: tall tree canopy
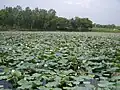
40, 19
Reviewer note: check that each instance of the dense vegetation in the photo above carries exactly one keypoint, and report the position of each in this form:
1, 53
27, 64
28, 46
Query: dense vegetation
40, 19
109, 27
112, 26
110, 30
60, 61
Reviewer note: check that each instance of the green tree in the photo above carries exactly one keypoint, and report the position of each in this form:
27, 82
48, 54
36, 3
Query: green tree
41, 19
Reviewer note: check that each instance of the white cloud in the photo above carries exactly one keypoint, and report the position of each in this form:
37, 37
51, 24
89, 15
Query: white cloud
78, 3
82, 3
68, 2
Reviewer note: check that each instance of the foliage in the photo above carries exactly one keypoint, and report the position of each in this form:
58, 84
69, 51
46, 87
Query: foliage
39, 19
105, 30
109, 26
60, 61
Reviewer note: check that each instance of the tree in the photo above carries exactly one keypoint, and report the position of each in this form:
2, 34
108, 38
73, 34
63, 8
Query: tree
62, 23
41, 19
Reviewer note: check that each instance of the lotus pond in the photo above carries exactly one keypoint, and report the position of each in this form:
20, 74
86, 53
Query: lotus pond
60, 61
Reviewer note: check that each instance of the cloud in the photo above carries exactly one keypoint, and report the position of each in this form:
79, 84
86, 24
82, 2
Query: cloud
68, 2
82, 3
78, 3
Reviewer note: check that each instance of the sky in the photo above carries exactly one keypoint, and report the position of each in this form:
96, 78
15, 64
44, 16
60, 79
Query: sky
99, 11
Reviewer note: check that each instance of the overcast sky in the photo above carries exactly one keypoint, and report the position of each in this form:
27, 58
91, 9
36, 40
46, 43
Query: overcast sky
99, 11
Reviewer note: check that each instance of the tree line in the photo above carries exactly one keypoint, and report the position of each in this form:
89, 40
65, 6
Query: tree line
40, 19
109, 26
